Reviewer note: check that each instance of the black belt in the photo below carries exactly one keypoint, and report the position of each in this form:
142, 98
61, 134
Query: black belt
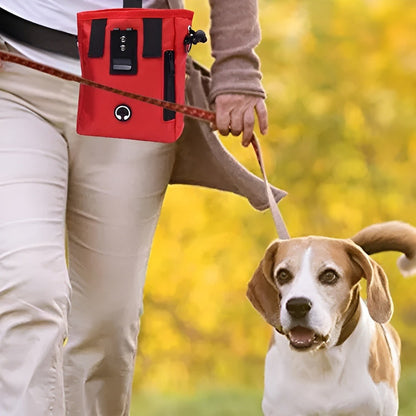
41, 37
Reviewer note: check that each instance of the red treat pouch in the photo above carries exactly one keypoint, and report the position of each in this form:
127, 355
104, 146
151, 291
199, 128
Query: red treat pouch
136, 50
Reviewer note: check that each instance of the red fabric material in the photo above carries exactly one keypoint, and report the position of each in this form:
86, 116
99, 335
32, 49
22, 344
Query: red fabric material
96, 107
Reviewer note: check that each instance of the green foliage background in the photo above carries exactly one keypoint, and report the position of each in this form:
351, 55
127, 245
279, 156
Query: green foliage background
341, 80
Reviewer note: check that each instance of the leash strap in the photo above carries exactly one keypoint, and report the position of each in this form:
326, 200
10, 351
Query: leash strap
276, 214
190, 111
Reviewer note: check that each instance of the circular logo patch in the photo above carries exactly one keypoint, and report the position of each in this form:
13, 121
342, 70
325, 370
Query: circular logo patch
122, 112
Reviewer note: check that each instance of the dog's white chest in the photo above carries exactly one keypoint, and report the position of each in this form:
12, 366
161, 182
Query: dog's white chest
334, 382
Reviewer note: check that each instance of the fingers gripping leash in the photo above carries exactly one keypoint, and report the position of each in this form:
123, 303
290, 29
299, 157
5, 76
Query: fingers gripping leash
190, 111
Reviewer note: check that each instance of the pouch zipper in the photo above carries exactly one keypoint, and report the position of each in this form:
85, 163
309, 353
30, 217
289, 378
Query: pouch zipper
169, 83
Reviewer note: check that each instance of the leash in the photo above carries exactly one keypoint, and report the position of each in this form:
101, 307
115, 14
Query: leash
276, 214
190, 111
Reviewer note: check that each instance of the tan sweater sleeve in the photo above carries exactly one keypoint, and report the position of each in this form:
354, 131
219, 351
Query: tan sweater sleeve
235, 32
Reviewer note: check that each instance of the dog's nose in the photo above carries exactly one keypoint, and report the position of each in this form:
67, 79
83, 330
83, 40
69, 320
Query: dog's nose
298, 307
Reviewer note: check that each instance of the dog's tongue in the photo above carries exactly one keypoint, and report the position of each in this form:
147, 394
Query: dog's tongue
301, 337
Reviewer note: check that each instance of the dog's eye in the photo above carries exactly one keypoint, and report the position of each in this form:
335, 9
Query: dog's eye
283, 276
328, 277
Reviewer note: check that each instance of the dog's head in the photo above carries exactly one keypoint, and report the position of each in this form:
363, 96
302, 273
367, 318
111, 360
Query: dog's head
305, 288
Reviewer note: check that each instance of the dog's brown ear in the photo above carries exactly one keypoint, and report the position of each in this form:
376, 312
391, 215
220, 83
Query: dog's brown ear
379, 302
262, 292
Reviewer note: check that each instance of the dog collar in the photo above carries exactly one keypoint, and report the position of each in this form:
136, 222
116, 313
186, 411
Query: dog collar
352, 318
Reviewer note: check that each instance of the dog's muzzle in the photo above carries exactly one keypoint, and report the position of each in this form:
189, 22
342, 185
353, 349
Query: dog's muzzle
304, 339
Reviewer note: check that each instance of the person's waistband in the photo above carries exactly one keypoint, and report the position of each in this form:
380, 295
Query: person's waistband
38, 36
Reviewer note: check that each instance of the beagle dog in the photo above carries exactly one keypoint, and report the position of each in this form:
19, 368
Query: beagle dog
331, 352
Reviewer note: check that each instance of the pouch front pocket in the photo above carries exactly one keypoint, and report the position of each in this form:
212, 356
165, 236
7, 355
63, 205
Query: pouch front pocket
169, 83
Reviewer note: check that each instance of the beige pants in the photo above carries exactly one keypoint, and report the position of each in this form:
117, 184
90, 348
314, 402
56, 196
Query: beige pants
106, 195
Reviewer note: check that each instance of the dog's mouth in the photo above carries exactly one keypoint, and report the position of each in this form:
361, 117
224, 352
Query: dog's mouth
302, 338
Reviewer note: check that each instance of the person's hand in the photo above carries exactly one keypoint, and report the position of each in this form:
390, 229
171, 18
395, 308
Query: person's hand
236, 115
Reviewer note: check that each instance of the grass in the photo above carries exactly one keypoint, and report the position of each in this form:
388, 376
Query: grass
407, 389
237, 401
210, 402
